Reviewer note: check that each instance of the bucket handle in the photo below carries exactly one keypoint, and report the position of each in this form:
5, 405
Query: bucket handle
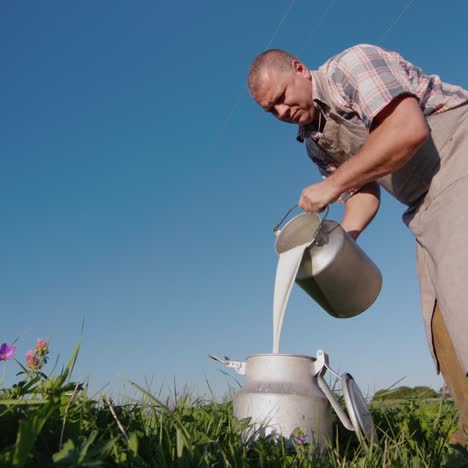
277, 226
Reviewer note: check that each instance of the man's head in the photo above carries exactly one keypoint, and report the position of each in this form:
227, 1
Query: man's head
282, 85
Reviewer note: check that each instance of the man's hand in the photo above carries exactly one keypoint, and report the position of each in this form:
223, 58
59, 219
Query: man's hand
318, 196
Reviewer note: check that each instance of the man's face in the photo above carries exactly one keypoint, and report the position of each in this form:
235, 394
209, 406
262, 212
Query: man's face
287, 95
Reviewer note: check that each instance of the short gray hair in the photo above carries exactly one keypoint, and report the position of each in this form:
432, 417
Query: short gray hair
276, 59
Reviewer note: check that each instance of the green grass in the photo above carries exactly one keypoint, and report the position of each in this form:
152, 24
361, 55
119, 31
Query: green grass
52, 421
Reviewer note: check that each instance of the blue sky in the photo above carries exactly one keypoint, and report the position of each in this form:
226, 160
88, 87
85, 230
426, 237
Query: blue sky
139, 185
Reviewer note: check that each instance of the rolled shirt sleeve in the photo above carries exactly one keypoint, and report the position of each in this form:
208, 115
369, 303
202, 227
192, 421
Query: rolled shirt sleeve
367, 78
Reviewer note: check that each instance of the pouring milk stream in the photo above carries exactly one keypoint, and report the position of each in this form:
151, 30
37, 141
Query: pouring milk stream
286, 271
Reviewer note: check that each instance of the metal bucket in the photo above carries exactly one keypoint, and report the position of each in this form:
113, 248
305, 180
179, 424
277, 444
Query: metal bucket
334, 270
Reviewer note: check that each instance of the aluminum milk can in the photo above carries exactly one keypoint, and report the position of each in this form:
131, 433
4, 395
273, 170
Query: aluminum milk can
284, 393
334, 270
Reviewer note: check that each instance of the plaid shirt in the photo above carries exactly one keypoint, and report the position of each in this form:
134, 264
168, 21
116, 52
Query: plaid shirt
363, 80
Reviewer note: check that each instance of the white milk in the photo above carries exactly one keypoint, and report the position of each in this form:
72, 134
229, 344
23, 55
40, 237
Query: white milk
286, 271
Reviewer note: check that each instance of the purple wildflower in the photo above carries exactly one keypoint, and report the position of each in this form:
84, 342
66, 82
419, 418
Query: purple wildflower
7, 352
300, 440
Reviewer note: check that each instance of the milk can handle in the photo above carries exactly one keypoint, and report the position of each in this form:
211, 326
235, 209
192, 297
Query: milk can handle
277, 226
239, 366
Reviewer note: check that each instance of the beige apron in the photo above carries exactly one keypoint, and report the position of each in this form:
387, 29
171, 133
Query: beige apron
434, 186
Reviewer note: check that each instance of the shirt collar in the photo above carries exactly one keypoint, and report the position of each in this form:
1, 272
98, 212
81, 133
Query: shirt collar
309, 130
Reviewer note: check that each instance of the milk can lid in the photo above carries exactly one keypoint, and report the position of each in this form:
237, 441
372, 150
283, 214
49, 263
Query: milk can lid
358, 411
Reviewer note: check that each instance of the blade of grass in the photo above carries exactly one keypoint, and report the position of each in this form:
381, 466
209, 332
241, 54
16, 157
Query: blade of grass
28, 431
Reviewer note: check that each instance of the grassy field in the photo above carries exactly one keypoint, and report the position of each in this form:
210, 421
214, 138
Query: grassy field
51, 421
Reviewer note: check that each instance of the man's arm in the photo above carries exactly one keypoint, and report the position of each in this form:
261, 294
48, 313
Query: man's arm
397, 133
360, 209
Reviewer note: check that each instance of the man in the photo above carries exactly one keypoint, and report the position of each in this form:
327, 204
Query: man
369, 118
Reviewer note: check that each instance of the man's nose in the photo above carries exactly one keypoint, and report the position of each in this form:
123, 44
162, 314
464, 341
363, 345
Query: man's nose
282, 111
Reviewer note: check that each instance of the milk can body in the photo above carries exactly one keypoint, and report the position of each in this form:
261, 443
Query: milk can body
334, 270
281, 394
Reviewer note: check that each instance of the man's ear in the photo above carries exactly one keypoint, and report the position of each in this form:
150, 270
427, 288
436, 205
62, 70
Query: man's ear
300, 69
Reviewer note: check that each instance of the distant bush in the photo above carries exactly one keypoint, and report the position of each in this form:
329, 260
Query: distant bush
406, 393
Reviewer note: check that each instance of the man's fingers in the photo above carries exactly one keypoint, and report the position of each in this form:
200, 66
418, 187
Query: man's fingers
302, 203
308, 205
